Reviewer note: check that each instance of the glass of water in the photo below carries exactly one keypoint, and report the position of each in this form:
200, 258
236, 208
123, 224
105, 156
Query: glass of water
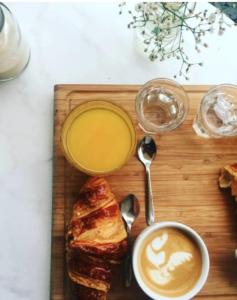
217, 115
161, 105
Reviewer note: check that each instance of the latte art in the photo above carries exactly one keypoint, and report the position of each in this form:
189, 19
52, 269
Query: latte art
158, 242
170, 262
162, 273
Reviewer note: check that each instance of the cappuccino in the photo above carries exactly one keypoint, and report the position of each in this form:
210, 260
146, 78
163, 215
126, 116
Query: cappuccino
169, 262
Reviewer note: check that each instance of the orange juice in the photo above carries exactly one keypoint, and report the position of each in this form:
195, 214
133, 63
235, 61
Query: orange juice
98, 137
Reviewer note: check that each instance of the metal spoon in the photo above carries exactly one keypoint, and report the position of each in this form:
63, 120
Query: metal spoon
146, 153
130, 210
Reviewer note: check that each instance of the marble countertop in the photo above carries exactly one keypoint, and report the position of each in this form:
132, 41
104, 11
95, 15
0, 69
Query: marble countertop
70, 43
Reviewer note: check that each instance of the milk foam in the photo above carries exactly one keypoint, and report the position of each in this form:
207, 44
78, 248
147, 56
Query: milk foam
158, 242
163, 266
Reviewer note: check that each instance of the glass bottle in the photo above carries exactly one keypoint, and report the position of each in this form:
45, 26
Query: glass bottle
14, 50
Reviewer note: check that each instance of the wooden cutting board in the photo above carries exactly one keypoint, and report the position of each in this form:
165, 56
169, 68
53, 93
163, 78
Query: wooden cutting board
184, 179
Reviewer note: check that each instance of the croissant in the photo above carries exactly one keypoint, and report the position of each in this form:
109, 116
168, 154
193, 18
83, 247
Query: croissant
96, 238
90, 294
228, 179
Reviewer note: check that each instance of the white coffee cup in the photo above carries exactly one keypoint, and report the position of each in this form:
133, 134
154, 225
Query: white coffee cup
204, 253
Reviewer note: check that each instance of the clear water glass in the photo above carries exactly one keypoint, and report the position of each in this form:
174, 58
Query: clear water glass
217, 114
161, 105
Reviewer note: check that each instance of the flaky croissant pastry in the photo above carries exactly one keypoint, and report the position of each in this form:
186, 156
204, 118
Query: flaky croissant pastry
96, 238
228, 179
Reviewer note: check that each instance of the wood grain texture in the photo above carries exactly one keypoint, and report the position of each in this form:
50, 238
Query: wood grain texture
184, 179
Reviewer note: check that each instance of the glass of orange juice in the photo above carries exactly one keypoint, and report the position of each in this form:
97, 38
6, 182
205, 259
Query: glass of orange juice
98, 137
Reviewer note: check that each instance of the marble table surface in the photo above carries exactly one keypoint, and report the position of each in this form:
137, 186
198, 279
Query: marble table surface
70, 43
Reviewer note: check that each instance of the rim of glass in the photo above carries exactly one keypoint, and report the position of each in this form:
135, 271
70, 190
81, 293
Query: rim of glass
163, 128
215, 87
2, 14
2, 17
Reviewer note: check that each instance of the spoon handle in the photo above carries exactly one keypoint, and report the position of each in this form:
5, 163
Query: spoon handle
128, 260
150, 218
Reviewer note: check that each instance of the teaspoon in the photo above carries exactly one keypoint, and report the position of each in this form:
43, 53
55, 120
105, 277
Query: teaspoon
130, 210
146, 154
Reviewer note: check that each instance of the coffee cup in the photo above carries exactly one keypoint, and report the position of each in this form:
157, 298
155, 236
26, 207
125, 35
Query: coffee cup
170, 261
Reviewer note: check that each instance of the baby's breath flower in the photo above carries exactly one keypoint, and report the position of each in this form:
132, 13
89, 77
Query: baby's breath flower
139, 7
212, 18
162, 24
211, 29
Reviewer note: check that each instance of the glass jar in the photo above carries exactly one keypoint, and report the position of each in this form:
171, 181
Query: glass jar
14, 51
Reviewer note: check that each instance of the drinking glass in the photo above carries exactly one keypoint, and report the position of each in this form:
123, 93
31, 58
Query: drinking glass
161, 105
217, 114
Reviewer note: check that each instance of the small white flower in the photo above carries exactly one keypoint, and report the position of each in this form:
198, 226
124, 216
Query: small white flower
139, 7
212, 18
211, 29
173, 5
221, 31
